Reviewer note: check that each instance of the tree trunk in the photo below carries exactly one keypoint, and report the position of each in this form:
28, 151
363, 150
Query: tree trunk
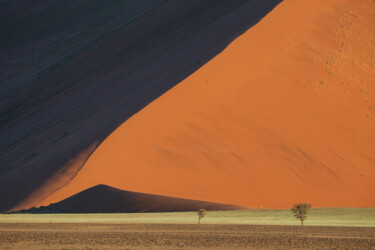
301, 222
199, 220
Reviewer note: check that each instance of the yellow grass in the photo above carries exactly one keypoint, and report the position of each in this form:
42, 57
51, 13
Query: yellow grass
317, 217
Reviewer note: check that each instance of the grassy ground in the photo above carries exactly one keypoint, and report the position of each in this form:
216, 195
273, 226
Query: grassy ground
359, 217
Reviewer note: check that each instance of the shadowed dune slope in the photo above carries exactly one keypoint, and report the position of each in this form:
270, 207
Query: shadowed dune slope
72, 71
285, 114
105, 199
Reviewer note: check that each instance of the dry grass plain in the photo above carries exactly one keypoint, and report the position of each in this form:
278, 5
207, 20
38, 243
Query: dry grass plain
343, 228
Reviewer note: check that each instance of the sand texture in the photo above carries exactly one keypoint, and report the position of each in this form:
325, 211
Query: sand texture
285, 114
71, 72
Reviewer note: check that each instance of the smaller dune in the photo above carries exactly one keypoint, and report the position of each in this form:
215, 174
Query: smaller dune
106, 199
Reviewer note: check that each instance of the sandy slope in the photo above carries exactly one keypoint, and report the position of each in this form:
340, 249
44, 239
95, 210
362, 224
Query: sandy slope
285, 114
71, 72
105, 199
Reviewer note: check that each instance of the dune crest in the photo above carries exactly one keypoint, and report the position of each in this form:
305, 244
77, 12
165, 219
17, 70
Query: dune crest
285, 114
58, 180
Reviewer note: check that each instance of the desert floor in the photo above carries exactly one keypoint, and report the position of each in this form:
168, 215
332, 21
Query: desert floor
109, 236
351, 228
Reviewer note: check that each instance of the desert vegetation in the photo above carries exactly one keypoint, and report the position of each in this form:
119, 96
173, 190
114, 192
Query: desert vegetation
300, 211
355, 217
201, 213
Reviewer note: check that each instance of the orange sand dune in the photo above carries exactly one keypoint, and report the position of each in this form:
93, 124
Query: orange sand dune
285, 114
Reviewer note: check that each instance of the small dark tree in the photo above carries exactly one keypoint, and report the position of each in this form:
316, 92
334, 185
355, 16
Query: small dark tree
201, 214
300, 211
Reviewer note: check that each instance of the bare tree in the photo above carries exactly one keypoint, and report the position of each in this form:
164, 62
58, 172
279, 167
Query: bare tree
300, 211
201, 214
